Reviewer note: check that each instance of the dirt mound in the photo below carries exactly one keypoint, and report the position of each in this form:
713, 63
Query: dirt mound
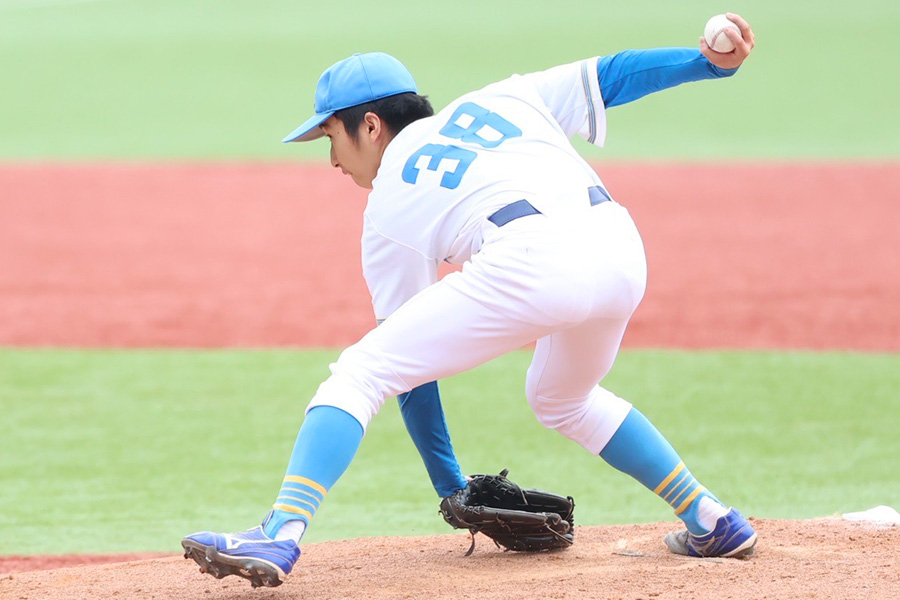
822, 558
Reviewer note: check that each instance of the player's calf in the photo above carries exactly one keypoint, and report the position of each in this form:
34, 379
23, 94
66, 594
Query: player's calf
713, 529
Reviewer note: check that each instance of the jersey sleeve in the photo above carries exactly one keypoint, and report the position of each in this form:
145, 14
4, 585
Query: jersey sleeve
572, 93
632, 74
394, 273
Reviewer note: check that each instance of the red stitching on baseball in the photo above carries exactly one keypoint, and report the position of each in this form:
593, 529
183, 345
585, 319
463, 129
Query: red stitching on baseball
716, 37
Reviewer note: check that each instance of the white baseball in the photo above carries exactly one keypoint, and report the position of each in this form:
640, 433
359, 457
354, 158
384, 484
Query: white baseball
715, 35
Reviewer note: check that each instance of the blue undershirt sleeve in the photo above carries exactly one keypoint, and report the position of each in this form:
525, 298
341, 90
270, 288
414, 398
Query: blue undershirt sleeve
632, 74
424, 418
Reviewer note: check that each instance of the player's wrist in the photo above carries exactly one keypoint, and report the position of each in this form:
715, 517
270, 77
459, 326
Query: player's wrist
722, 71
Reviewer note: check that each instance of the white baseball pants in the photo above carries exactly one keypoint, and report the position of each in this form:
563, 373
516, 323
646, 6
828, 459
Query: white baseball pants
569, 283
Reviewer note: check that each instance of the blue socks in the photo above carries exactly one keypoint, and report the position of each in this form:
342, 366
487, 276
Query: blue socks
327, 442
330, 437
639, 449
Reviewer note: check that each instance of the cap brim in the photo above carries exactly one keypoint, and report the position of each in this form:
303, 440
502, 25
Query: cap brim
309, 130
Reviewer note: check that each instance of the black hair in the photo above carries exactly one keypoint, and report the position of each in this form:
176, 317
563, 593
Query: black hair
396, 111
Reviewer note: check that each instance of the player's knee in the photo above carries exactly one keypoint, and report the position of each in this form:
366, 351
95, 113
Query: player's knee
359, 383
562, 414
362, 367
346, 395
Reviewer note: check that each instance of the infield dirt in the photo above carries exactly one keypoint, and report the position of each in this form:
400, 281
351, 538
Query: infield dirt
824, 559
740, 256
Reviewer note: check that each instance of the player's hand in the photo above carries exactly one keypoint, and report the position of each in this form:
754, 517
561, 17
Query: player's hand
743, 44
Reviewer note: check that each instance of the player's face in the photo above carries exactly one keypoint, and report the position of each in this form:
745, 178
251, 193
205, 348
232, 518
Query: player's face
359, 158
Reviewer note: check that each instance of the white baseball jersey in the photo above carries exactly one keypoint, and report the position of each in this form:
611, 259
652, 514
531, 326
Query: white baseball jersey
442, 177
568, 280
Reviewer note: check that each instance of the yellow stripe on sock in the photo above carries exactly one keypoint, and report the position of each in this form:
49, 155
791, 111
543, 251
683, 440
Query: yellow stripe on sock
309, 482
669, 479
686, 478
292, 509
687, 501
294, 499
287, 488
684, 490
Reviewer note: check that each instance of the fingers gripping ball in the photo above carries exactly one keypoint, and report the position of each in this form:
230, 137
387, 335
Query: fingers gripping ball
715, 35
516, 519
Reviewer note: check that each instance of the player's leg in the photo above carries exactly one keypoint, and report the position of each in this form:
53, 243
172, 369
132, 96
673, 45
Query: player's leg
505, 298
306, 481
326, 430
418, 344
562, 389
712, 529
562, 381
266, 554
533, 277
508, 296
561, 384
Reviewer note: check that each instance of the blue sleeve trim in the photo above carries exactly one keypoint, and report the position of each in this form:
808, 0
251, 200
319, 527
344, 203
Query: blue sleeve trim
632, 74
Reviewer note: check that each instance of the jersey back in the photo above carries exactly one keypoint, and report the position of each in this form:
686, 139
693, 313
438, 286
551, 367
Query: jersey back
442, 177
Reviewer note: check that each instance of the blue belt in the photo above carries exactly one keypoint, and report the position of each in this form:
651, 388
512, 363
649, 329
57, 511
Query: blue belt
523, 208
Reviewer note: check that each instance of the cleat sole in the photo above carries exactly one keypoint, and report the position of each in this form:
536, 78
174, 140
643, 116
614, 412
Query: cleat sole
259, 573
745, 550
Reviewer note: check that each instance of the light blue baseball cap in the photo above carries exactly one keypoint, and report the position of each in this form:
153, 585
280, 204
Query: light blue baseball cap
356, 80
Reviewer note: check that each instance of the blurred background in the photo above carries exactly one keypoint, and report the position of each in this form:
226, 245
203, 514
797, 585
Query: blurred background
174, 281
226, 79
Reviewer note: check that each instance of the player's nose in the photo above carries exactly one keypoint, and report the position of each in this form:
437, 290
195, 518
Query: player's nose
334, 160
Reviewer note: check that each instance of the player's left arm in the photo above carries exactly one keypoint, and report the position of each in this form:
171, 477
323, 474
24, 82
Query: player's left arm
423, 416
632, 74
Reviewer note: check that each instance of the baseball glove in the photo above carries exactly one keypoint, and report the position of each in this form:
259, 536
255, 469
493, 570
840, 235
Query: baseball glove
516, 519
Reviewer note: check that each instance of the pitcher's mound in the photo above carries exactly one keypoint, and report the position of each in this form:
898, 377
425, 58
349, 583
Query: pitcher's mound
821, 558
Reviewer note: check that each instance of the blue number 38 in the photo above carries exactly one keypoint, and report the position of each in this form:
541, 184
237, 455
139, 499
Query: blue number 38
470, 123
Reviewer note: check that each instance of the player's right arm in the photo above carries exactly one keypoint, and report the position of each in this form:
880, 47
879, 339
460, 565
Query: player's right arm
632, 74
578, 94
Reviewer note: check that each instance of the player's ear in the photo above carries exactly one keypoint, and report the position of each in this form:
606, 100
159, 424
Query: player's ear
373, 126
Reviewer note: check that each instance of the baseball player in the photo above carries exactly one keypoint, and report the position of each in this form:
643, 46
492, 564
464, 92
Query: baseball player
491, 182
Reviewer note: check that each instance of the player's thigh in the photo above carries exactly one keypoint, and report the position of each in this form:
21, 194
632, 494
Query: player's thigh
443, 331
568, 364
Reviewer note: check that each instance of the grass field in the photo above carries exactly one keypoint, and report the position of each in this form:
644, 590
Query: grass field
212, 79
128, 451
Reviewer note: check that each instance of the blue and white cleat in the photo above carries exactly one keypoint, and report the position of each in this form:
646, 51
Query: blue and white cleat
733, 537
250, 554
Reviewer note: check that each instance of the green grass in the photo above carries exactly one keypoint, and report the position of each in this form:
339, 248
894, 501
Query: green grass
106, 451
226, 79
